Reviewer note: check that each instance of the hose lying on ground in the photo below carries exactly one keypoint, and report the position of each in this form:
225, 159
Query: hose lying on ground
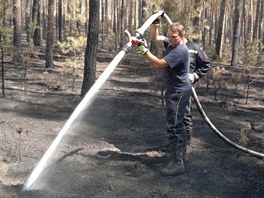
207, 120
211, 125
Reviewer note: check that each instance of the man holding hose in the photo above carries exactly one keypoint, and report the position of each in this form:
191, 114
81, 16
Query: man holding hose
178, 90
199, 66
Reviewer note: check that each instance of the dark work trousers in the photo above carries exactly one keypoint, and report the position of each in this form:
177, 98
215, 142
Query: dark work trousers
176, 103
188, 122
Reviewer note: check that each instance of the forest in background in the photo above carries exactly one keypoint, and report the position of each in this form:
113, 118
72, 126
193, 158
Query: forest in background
230, 31
51, 53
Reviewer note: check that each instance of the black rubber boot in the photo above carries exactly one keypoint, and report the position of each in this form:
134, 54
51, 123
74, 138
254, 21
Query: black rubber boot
185, 154
176, 165
189, 133
188, 144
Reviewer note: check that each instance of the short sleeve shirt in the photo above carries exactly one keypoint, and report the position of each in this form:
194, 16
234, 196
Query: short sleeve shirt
177, 73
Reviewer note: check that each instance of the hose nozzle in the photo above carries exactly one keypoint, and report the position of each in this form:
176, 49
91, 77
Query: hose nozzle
135, 40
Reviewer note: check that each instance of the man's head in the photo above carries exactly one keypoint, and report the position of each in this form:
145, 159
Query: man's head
175, 34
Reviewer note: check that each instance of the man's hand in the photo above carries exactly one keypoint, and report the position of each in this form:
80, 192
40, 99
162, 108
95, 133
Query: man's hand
193, 77
156, 21
143, 50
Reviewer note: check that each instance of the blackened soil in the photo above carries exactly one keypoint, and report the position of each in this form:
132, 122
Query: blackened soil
115, 148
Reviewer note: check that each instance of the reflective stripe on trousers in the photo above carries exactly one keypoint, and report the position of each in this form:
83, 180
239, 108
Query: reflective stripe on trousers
176, 103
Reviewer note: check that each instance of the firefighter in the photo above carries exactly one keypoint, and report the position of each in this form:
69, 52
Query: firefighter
199, 66
178, 91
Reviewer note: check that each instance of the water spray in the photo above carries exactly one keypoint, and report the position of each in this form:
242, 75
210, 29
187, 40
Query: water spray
86, 101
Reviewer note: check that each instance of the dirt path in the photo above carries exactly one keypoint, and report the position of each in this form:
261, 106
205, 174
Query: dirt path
115, 147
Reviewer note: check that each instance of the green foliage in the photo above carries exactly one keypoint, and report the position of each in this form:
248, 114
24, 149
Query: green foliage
73, 46
29, 51
227, 53
74, 18
229, 81
177, 14
251, 54
210, 51
215, 78
26, 54
6, 37
33, 26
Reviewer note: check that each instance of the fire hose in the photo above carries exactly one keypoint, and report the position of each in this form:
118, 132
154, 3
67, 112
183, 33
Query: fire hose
139, 33
211, 125
86, 101
93, 90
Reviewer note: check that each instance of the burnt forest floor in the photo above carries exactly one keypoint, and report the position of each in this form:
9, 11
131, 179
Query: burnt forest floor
115, 146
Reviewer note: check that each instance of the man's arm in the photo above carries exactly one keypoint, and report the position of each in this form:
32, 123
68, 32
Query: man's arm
155, 61
152, 59
159, 40
203, 64
155, 35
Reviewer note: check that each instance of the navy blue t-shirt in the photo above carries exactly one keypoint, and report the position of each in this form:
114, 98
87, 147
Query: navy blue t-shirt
177, 58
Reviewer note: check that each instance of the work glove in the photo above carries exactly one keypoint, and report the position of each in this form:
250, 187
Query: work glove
141, 43
157, 20
193, 77
143, 50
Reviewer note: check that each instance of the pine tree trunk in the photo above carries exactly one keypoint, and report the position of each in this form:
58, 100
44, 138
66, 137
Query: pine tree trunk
260, 34
2, 67
236, 34
17, 21
251, 22
27, 20
36, 23
255, 30
91, 48
244, 24
196, 21
60, 19
220, 30
102, 28
50, 34
122, 10
144, 11
44, 20
260, 31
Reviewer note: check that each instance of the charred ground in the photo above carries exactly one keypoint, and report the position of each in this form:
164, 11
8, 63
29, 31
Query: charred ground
115, 149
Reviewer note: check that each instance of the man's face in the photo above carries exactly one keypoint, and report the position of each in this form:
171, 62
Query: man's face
174, 38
